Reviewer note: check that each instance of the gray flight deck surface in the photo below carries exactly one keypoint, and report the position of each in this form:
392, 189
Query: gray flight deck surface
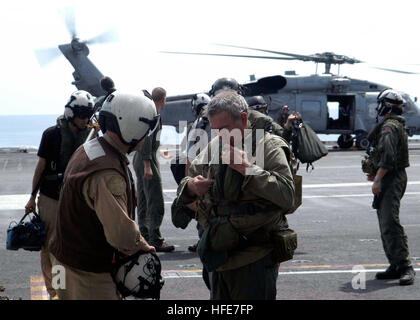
337, 230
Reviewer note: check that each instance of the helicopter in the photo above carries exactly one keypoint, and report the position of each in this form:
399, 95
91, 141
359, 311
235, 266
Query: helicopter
86, 75
318, 97
315, 97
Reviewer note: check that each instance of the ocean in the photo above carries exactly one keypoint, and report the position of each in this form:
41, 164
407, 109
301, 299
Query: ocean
25, 131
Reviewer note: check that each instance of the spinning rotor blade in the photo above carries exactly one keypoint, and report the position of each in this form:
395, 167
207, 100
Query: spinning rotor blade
395, 70
108, 36
70, 20
326, 57
297, 56
47, 55
228, 55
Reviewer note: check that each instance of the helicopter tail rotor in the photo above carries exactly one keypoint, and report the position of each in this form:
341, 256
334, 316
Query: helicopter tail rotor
105, 37
47, 55
70, 21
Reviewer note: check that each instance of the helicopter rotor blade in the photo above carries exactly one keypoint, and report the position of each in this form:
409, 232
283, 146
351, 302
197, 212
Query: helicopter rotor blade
70, 20
326, 57
229, 55
46, 55
297, 56
395, 70
105, 37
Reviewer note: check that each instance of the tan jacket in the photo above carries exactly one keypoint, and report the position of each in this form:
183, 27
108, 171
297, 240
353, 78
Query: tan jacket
272, 183
104, 192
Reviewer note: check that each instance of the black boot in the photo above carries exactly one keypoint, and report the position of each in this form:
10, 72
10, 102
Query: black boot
407, 276
391, 272
193, 248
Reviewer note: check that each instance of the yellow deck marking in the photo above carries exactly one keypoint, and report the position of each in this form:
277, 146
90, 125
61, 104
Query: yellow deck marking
38, 289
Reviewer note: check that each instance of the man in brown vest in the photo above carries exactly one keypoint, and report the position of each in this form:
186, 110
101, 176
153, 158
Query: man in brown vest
97, 204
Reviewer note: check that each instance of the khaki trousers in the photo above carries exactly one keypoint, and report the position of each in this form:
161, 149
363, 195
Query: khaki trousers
75, 284
47, 209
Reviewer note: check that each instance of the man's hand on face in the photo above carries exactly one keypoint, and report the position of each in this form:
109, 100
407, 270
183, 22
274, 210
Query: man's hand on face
199, 185
236, 158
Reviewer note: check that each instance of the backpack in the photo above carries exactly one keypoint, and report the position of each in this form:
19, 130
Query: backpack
297, 179
265, 122
306, 145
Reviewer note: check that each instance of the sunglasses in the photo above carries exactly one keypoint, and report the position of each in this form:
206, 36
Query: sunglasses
82, 113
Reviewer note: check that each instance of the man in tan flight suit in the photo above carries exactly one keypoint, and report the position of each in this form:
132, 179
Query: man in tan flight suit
98, 199
254, 199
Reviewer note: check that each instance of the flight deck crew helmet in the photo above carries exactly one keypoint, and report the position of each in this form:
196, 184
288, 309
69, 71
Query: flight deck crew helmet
80, 105
225, 84
257, 103
389, 100
138, 275
198, 102
131, 116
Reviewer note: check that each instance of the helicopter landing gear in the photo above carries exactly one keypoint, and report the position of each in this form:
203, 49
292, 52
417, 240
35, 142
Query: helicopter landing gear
345, 141
361, 140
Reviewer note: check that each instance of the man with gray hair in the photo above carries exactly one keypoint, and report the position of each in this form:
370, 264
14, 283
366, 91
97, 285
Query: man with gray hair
242, 205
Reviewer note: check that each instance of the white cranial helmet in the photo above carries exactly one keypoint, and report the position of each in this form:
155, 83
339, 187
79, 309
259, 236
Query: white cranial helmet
131, 116
79, 105
199, 101
139, 275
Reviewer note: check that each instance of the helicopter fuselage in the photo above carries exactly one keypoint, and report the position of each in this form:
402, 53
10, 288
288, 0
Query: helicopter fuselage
330, 104
86, 75
338, 105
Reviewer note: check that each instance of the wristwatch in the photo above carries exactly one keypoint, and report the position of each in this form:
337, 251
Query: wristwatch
376, 179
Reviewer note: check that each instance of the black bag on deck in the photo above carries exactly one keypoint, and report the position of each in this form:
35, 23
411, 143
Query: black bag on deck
306, 145
26, 235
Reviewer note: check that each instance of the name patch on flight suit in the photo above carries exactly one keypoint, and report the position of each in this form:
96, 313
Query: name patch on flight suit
116, 185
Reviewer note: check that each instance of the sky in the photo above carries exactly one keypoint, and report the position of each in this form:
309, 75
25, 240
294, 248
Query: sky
383, 33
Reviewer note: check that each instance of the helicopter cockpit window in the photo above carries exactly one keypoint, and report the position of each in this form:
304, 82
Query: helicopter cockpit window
411, 106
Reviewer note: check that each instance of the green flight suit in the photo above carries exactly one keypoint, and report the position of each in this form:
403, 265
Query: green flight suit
265, 122
151, 208
249, 272
392, 154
